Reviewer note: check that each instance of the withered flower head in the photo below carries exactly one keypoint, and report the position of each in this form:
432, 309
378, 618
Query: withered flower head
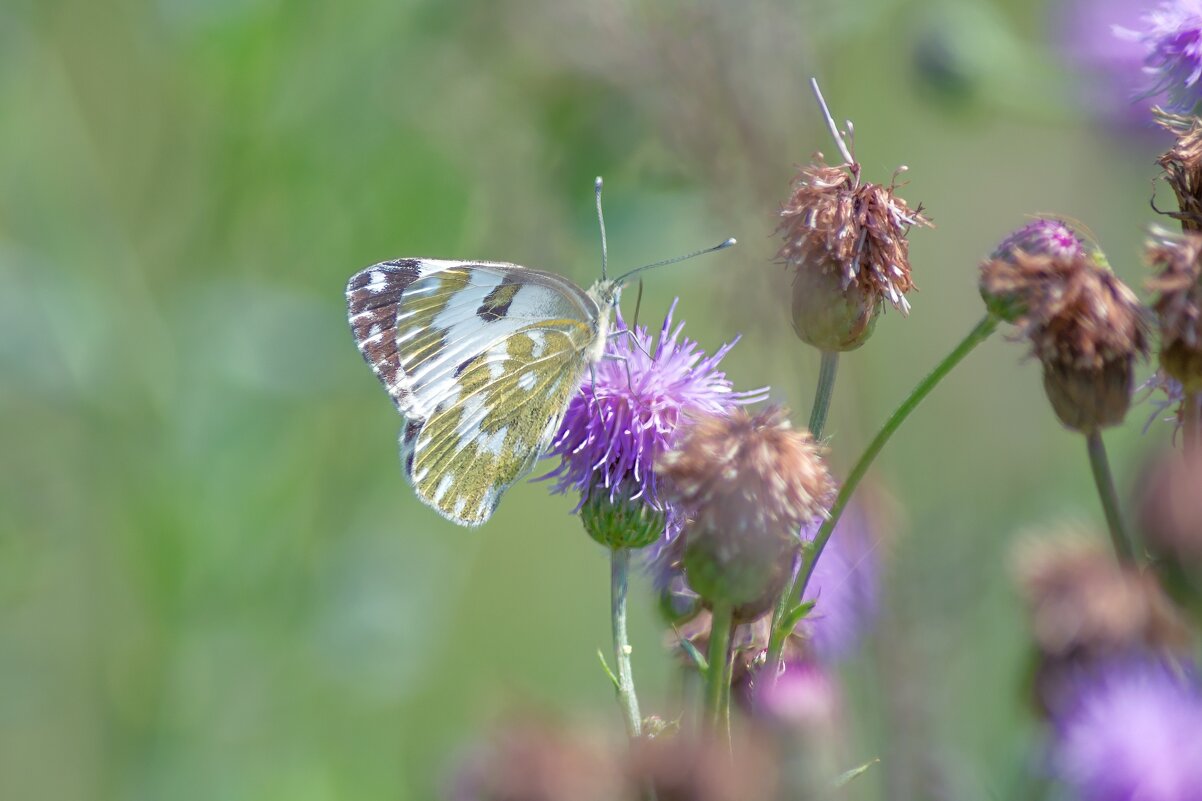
533, 760
1083, 602
747, 484
692, 768
1182, 166
1178, 304
1085, 326
1086, 609
845, 242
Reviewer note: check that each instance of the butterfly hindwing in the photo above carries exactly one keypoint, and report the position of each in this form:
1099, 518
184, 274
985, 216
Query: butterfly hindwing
486, 436
481, 358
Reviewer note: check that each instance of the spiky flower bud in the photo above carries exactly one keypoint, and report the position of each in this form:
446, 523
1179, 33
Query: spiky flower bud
621, 521
1002, 286
1084, 325
748, 484
845, 243
1178, 304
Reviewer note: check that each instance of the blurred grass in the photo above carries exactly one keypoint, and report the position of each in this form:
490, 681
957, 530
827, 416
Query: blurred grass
214, 582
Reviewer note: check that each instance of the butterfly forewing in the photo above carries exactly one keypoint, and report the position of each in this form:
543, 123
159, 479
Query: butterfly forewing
372, 297
482, 358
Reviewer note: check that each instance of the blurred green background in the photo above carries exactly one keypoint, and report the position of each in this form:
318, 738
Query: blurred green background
214, 581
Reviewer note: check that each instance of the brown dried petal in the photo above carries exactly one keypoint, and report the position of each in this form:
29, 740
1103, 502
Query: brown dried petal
1178, 303
833, 222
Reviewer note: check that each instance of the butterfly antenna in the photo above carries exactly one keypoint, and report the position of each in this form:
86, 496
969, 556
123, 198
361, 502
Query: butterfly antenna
601, 222
720, 246
638, 303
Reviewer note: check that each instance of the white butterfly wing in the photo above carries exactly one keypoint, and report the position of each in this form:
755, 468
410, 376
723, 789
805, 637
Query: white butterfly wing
483, 360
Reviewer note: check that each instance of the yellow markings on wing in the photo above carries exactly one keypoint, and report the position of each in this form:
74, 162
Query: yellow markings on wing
470, 451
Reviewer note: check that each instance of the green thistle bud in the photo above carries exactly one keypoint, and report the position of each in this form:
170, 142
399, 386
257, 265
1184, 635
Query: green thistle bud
622, 522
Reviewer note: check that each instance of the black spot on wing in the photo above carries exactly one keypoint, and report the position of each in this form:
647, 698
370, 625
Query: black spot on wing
496, 304
463, 365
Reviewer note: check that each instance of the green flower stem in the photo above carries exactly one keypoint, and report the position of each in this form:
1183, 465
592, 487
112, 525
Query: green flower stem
717, 688
619, 569
795, 590
1110, 504
823, 393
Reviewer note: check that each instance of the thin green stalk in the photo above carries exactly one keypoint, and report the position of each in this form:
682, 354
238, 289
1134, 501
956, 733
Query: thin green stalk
717, 688
619, 569
795, 591
1100, 465
823, 392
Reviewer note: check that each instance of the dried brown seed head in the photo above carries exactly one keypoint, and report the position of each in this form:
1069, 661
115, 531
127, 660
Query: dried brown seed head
1085, 326
527, 759
1083, 603
689, 767
846, 244
1178, 304
758, 471
747, 484
1182, 166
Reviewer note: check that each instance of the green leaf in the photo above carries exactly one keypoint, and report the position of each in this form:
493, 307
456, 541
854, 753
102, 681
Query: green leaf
605, 667
695, 656
796, 615
844, 778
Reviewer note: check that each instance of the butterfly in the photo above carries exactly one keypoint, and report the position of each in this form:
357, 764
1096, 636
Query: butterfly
482, 359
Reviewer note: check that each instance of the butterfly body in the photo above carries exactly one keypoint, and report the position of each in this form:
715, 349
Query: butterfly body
482, 359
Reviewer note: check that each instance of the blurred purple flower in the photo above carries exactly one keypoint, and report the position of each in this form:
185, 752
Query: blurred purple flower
844, 586
804, 695
1132, 733
1112, 67
1171, 37
618, 424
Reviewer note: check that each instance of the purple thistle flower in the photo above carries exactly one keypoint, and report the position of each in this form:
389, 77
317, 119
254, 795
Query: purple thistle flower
1044, 236
1110, 66
622, 419
1132, 733
844, 586
1172, 40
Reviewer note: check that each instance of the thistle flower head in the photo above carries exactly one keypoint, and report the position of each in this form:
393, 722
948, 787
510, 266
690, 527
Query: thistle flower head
629, 411
1182, 165
1087, 610
1083, 603
747, 484
845, 242
1026, 261
1084, 325
535, 760
1133, 731
1178, 304
1172, 38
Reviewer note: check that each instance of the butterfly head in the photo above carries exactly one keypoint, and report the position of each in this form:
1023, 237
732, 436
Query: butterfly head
607, 292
